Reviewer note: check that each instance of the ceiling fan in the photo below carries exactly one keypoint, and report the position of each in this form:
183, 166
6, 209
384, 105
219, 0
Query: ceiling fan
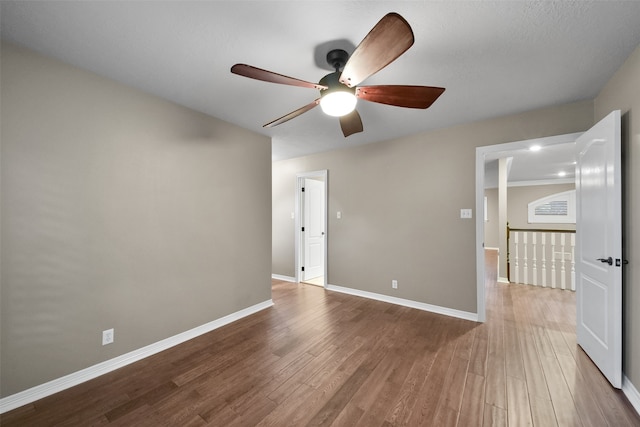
339, 91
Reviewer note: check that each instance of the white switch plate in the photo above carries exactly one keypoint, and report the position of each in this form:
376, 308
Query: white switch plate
466, 213
339, 215
394, 284
107, 336
293, 215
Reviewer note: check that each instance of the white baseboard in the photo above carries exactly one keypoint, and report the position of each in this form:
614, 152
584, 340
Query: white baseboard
631, 392
43, 390
503, 280
406, 302
283, 278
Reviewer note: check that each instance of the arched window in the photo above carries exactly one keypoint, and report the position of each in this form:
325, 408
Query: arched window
556, 208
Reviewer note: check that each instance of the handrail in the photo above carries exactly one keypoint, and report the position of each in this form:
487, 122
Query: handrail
540, 230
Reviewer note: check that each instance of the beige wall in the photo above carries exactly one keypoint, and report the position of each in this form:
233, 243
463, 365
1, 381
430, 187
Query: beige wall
400, 202
119, 210
283, 202
520, 197
622, 92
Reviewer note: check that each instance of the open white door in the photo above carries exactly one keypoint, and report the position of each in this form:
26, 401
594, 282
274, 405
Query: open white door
313, 235
599, 246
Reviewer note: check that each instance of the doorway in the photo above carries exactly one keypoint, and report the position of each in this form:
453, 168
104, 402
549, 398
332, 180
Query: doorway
311, 228
492, 152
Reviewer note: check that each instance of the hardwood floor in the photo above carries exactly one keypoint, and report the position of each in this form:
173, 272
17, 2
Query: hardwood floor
319, 358
318, 281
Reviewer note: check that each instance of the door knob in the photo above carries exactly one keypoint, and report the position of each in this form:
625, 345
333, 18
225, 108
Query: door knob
607, 260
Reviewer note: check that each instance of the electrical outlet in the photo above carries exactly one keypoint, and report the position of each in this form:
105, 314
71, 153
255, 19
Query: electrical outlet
107, 336
394, 284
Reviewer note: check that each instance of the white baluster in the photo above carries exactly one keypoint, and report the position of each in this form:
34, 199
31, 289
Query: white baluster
553, 260
543, 237
534, 270
563, 270
516, 242
573, 261
525, 267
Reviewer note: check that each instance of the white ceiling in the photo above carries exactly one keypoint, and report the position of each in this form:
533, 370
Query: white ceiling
494, 58
526, 167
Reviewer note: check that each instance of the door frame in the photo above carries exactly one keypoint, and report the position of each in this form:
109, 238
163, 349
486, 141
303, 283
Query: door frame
299, 254
492, 152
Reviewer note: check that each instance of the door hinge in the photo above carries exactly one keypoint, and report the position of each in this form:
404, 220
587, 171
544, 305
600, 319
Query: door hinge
303, 189
302, 228
302, 268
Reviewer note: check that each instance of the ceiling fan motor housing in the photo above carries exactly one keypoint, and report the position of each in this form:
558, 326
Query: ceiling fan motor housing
332, 81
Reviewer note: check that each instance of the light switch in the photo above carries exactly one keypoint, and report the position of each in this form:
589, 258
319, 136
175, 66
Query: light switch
293, 215
466, 213
339, 215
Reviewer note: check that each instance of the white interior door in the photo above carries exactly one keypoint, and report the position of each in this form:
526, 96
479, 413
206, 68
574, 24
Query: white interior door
599, 246
313, 235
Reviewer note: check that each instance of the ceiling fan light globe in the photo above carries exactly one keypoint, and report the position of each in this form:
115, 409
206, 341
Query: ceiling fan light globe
338, 103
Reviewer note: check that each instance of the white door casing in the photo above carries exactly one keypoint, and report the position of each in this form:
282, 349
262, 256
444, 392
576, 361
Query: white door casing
599, 246
313, 223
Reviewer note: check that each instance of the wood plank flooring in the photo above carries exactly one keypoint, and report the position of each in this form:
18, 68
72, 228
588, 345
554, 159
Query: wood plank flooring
319, 358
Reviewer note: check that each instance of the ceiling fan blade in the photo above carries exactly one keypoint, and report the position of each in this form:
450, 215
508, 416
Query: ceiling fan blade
389, 39
351, 123
292, 114
400, 96
269, 76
